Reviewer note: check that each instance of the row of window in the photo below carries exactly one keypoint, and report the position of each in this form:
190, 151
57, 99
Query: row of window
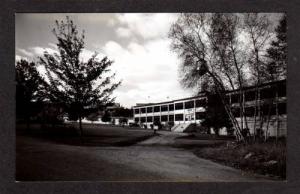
171, 107
265, 93
264, 109
166, 118
249, 111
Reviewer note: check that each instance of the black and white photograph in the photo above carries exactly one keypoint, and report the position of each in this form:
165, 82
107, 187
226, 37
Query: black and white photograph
151, 97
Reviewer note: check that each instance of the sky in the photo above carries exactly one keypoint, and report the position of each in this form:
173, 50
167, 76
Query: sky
137, 43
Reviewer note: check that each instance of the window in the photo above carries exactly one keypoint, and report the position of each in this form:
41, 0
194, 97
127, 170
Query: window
164, 108
157, 109
178, 106
249, 95
267, 93
282, 108
281, 90
235, 98
171, 107
249, 111
164, 118
227, 99
143, 110
268, 109
137, 111
136, 119
149, 109
189, 104
143, 119
236, 112
200, 102
149, 119
171, 117
178, 117
156, 118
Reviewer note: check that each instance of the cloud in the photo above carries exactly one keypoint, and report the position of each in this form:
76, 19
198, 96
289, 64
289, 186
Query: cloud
54, 46
147, 26
39, 51
18, 58
34, 52
113, 48
137, 43
123, 32
111, 22
25, 52
148, 69
86, 54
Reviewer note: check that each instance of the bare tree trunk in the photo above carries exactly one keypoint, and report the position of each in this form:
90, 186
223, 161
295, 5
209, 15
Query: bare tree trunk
244, 113
80, 129
257, 99
241, 108
277, 115
269, 116
233, 120
27, 123
239, 75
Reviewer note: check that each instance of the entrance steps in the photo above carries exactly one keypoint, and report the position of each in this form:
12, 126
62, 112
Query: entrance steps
183, 127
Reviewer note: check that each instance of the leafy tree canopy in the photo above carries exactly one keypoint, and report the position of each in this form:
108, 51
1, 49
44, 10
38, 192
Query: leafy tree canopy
82, 86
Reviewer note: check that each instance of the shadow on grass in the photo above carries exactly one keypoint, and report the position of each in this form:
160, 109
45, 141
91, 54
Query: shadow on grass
101, 136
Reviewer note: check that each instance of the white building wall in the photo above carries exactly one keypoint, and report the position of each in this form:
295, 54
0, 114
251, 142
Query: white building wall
187, 113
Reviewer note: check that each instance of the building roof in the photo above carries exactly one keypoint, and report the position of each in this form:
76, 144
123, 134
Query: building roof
202, 94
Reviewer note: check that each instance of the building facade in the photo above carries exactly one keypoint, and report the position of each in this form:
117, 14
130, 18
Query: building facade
266, 110
188, 110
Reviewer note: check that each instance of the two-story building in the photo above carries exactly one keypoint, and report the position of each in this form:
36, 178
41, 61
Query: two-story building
267, 109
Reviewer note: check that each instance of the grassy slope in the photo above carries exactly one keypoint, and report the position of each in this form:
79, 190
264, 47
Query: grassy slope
258, 161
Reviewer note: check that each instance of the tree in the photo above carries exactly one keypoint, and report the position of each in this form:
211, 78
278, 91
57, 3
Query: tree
29, 90
123, 120
106, 116
277, 66
93, 116
258, 29
216, 116
122, 112
80, 86
277, 53
215, 56
209, 47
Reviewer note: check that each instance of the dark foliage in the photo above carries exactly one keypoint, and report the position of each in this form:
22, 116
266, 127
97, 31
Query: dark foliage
277, 53
123, 120
216, 116
106, 116
29, 90
93, 116
122, 112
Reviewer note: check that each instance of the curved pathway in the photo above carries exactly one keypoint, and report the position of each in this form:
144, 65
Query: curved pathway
150, 160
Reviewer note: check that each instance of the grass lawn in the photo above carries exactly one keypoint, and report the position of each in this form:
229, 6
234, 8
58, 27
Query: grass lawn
94, 134
267, 158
